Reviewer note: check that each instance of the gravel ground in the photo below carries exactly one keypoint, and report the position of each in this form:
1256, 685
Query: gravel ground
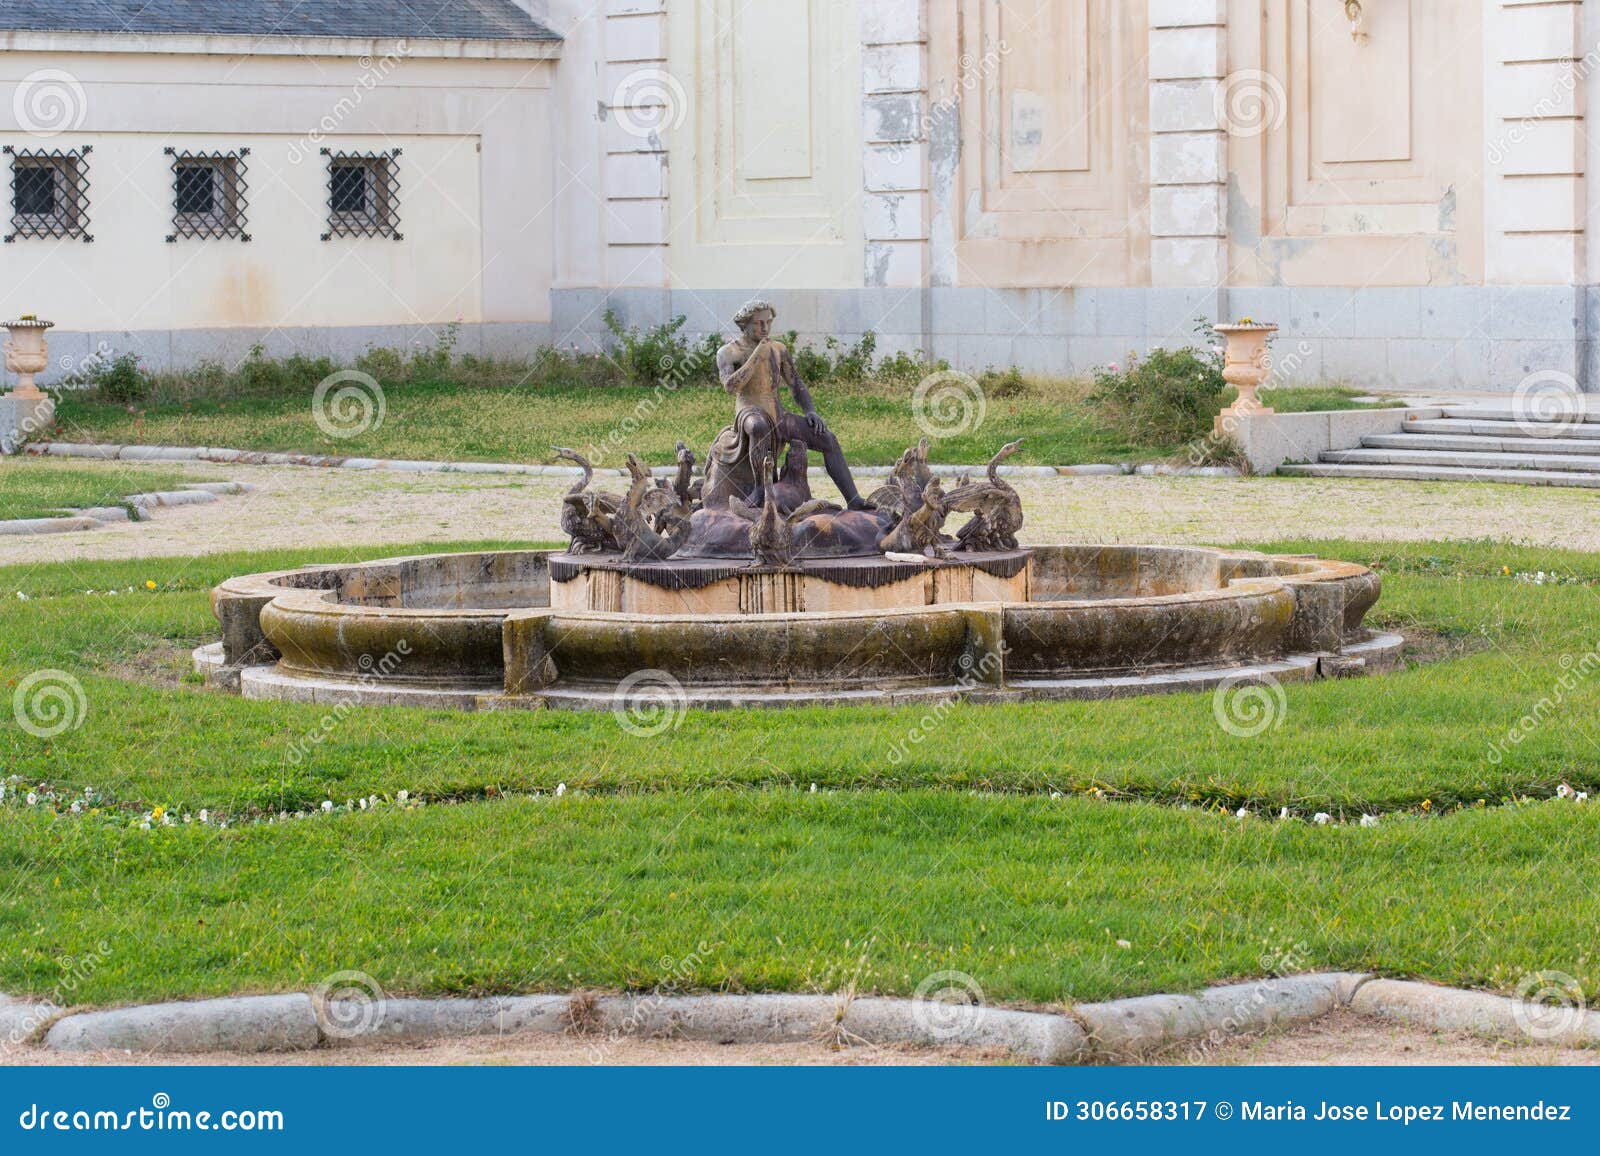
301, 506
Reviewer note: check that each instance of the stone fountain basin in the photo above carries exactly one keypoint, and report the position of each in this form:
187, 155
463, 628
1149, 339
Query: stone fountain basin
477, 631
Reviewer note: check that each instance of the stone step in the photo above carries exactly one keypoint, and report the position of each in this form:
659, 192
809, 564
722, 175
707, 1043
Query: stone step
1443, 474
1477, 444
1471, 460
1577, 413
1508, 429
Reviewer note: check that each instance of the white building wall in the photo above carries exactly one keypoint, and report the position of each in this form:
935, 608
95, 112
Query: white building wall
476, 207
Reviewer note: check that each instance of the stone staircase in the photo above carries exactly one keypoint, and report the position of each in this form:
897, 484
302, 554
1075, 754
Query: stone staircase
1476, 444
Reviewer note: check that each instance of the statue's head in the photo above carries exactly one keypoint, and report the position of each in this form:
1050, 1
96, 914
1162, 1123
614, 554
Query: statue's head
755, 319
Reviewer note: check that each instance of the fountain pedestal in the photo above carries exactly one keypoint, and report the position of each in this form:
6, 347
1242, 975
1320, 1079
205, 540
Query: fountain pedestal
608, 583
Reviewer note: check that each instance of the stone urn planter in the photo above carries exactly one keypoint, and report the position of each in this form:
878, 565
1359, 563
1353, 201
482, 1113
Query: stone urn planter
1247, 362
27, 353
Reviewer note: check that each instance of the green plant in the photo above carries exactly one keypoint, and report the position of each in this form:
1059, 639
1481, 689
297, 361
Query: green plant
119, 380
1003, 383
1168, 396
661, 356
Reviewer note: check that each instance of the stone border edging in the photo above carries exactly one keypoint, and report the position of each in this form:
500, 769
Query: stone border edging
136, 508
1112, 1032
1089, 1033
137, 453
1454, 1009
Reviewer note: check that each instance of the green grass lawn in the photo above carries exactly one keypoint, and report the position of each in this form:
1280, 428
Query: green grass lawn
444, 421
31, 489
958, 856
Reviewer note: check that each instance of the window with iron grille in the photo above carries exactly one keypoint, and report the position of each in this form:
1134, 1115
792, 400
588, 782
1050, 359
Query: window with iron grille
49, 193
208, 194
363, 194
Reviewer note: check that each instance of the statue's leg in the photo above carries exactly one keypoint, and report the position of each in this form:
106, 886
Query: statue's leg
759, 436
838, 469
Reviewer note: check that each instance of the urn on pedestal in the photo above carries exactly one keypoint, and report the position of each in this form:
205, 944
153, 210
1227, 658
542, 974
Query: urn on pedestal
27, 353
1246, 364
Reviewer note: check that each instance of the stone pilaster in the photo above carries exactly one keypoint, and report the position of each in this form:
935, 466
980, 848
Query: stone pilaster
643, 105
894, 160
1533, 142
1188, 170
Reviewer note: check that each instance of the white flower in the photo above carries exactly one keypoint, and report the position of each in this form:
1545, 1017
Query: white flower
1283, 812
144, 826
1242, 813
402, 795
77, 807
813, 788
205, 815
1124, 944
363, 802
188, 818
1369, 820
21, 596
561, 789
1322, 818
33, 799
1055, 794
1583, 797
327, 805
1564, 792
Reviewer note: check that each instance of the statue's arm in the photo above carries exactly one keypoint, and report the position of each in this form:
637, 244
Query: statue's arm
802, 395
731, 371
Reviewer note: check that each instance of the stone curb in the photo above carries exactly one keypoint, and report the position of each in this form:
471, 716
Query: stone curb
398, 465
22, 1021
137, 509
1105, 1032
252, 1023
1452, 1009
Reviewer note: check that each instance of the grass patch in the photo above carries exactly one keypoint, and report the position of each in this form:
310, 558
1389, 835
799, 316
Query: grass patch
439, 420
709, 833
1032, 898
36, 489
1425, 734
497, 417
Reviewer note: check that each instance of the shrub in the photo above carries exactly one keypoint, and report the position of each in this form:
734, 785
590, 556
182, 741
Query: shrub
1168, 397
119, 380
1003, 383
662, 355
835, 362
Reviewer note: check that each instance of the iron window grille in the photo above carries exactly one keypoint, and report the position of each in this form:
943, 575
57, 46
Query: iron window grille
209, 195
363, 194
49, 193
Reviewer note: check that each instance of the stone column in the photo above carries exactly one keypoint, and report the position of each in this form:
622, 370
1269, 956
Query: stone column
643, 105
894, 161
1188, 168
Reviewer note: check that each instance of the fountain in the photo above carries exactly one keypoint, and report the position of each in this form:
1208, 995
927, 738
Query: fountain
733, 585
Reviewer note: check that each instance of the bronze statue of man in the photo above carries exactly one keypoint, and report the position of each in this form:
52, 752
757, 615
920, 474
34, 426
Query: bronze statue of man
754, 368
